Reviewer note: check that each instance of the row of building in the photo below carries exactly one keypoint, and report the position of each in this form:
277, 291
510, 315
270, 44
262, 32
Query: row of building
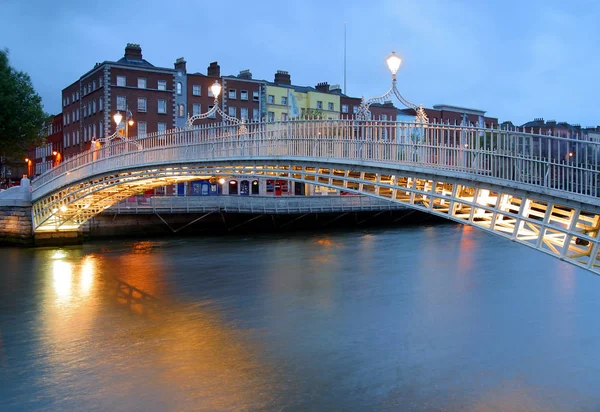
162, 98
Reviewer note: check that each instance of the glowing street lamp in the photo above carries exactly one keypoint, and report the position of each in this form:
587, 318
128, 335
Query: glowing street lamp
393, 63
216, 89
118, 117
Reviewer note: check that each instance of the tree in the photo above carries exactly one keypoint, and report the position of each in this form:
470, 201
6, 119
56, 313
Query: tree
21, 113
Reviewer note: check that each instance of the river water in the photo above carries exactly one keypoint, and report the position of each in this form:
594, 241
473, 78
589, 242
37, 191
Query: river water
421, 318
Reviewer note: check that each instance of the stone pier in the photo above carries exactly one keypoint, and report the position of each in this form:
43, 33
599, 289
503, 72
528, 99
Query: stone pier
15, 215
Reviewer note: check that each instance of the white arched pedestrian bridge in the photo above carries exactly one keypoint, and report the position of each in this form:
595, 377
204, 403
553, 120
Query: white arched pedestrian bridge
537, 190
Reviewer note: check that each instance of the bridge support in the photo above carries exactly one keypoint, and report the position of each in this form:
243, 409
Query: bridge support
61, 238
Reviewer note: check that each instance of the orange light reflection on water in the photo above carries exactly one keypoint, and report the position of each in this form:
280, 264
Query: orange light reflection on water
176, 356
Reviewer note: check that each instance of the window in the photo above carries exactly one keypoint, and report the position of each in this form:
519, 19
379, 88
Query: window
77, 95
162, 85
93, 106
121, 103
271, 99
121, 81
100, 104
244, 113
284, 100
232, 94
142, 127
344, 108
181, 110
94, 85
162, 106
99, 83
196, 109
384, 117
284, 116
196, 91
179, 88
214, 115
210, 93
355, 109
142, 104
85, 90
68, 118
231, 111
244, 94
319, 104
141, 83
255, 96
100, 128
255, 114
271, 116
68, 102
162, 127
73, 96
330, 106
89, 106
90, 87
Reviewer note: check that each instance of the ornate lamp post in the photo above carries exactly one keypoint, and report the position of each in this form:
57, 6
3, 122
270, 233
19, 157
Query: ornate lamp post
118, 118
393, 63
216, 91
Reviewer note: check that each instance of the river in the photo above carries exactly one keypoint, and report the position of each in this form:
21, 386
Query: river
440, 317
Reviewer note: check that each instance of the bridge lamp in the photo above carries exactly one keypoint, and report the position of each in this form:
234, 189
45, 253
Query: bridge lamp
393, 63
221, 180
118, 117
26, 160
216, 89
63, 208
130, 121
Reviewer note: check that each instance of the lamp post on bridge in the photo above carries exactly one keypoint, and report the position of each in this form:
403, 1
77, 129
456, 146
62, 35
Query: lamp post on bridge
216, 91
393, 63
118, 118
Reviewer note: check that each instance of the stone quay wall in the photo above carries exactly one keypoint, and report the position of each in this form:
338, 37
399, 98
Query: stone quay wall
15, 225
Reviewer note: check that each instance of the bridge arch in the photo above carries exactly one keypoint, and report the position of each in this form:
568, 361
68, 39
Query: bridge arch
539, 202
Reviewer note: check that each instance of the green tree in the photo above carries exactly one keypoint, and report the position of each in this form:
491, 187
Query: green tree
21, 113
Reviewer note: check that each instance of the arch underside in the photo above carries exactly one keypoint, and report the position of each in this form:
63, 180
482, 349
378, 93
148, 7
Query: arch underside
567, 230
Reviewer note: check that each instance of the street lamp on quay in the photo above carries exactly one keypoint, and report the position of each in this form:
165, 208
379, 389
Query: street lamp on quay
393, 63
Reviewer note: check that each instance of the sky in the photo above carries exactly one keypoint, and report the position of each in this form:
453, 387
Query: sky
517, 60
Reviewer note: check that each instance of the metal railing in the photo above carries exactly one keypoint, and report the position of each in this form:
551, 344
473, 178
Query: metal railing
539, 161
255, 204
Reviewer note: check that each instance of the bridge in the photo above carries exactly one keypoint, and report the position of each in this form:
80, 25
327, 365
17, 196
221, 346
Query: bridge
537, 190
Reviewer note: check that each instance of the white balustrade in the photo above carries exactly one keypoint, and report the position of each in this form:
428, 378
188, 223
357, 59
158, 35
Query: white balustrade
566, 165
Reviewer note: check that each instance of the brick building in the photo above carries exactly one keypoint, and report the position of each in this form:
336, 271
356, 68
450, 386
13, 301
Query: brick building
40, 159
349, 105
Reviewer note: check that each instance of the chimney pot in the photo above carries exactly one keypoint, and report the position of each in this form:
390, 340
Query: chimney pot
214, 70
282, 77
180, 64
133, 51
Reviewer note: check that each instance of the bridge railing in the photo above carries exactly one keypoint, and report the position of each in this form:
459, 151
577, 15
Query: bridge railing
565, 164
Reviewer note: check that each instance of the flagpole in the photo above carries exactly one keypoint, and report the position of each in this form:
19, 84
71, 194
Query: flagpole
345, 58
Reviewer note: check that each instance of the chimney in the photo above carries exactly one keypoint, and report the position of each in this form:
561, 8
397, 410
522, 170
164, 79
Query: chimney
323, 87
180, 64
214, 70
245, 74
551, 123
133, 51
283, 77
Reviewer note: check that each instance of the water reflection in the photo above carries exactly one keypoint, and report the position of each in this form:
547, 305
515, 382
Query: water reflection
187, 354
415, 319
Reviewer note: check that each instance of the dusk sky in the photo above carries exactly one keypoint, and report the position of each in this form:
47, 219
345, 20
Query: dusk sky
515, 59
